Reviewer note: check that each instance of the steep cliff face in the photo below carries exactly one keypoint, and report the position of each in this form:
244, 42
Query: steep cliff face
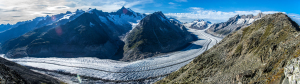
155, 34
255, 54
233, 24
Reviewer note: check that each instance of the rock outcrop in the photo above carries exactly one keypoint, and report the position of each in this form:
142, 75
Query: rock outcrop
292, 72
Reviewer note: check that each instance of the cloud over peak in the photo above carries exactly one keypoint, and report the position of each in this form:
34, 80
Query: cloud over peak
29, 9
212, 15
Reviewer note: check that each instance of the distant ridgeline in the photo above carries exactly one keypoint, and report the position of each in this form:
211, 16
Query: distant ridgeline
233, 24
94, 33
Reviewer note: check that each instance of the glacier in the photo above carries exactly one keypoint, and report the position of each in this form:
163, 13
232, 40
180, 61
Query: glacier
148, 70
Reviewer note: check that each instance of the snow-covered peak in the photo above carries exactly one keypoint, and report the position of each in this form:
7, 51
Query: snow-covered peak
249, 19
79, 11
198, 20
68, 12
173, 19
90, 10
129, 10
198, 24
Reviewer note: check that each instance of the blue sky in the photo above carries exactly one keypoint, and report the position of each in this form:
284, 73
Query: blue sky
289, 6
12, 11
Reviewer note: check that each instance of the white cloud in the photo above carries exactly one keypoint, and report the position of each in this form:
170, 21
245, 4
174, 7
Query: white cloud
195, 8
295, 17
211, 15
29, 9
171, 3
181, 0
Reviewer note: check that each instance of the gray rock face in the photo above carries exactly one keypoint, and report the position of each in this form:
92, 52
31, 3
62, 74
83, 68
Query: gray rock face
292, 71
198, 24
155, 34
233, 24
8, 76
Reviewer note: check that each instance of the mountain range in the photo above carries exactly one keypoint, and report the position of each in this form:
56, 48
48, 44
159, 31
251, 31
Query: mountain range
233, 24
261, 49
23, 27
94, 33
198, 24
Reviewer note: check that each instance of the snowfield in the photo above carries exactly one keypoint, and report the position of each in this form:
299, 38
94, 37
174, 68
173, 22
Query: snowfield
107, 71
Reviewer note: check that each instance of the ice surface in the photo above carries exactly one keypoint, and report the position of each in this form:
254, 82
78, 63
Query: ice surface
241, 21
251, 21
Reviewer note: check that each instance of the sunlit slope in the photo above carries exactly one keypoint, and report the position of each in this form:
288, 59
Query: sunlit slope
255, 54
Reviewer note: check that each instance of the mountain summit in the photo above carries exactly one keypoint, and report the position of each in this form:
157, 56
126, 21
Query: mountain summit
153, 35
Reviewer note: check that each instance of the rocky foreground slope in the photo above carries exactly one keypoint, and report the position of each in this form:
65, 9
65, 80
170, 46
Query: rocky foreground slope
13, 73
256, 54
153, 35
233, 24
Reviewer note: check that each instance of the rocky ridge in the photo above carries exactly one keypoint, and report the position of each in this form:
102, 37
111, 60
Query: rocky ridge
256, 54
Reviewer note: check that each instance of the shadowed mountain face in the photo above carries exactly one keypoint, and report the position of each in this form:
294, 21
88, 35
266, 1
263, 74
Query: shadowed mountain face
233, 24
92, 34
4, 27
85, 36
13, 73
154, 34
21, 28
255, 54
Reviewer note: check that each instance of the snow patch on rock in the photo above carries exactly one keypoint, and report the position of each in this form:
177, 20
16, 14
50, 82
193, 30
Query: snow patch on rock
91, 24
